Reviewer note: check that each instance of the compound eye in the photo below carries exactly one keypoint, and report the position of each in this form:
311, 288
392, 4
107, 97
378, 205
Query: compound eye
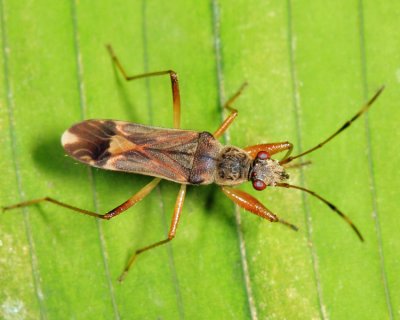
263, 155
259, 185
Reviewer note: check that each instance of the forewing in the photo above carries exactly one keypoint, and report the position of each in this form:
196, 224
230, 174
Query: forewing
130, 147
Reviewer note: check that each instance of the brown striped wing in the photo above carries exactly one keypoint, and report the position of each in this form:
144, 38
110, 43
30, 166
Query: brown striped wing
131, 147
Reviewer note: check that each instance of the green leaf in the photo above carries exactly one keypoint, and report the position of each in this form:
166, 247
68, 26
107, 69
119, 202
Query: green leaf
310, 67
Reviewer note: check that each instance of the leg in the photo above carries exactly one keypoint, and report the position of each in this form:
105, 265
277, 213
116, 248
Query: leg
329, 204
174, 84
228, 121
171, 234
249, 203
107, 216
271, 148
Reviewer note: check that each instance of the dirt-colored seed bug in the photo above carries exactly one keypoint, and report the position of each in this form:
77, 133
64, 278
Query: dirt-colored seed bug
183, 156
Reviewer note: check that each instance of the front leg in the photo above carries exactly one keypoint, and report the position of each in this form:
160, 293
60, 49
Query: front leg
270, 148
251, 204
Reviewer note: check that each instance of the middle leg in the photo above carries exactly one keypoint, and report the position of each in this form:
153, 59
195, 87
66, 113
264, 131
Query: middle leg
228, 121
171, 234
176, 98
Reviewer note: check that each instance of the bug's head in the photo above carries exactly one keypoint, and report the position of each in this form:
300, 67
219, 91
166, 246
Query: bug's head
266, 171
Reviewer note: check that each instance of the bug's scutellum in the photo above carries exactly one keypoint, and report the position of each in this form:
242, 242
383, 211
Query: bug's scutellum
186, 157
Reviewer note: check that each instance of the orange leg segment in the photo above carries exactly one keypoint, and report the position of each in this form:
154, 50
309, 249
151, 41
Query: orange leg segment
271, 148
251, 204
176, 99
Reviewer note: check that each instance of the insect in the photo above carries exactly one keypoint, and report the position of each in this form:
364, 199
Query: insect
186, 157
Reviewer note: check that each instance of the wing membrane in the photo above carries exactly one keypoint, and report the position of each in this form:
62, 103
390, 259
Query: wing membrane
130, 147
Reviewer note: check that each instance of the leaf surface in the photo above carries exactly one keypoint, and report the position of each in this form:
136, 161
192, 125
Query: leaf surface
310, 67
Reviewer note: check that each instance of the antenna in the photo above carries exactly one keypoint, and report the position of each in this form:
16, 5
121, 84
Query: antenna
341, 129
329, 204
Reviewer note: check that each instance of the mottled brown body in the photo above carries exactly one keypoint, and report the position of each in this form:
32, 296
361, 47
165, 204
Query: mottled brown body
183, 156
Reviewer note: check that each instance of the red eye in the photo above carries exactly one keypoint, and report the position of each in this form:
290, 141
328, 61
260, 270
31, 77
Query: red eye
259, 185
263, 155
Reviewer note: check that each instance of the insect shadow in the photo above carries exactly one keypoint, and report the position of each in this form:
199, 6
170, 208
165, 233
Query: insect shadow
49, 156
210, 200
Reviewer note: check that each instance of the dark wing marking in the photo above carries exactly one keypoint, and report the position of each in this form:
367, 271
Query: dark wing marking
130, 147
